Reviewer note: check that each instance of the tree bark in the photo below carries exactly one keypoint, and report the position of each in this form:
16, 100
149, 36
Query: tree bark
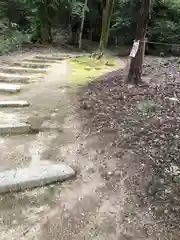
106, 20
46, 36
135, 69
82, 23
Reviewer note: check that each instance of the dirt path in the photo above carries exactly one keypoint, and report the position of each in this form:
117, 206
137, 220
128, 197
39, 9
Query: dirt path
125, 188
52, 110
95, 129
48, 108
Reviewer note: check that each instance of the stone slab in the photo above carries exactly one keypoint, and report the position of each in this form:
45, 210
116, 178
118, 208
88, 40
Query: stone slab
17, 128
34, 176
20, 103
9, 88
49, 58
13, 123
31, 64
16, 69
42, 60
8, 77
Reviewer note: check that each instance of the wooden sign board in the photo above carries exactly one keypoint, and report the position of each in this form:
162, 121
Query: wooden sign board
134, 49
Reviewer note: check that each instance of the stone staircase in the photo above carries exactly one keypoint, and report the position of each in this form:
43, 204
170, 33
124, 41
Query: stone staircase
30, 94
14, 76
32, 107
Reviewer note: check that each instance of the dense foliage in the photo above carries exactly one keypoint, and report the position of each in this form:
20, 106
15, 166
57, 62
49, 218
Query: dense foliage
23, 21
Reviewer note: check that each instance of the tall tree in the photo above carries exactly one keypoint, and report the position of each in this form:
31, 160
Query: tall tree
82, 22
135, 69
45, 24
107, 9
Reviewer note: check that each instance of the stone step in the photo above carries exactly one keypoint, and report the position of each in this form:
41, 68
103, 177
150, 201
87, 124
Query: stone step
7, 77
31, 64
34, 176
14, 69
16, 103
9, 88
42, 60
54, 58
13, 123
19, 128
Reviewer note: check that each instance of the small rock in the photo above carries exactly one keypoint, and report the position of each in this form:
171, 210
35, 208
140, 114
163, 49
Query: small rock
168, 190
174, 99
53, 114
161, 181
14, 222
91, 170
118, 173
36, 113
75, 167
156, 209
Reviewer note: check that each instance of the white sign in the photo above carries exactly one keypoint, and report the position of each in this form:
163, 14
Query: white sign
134, 49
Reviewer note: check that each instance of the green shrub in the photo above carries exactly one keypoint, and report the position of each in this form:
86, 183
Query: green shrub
11, 38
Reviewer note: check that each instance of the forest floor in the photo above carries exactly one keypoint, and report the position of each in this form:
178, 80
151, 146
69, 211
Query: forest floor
123, 141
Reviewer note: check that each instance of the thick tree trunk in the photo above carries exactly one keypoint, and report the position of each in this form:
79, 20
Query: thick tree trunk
135, 69
90, 32
82, 23
106, 20
46, 36
70, 34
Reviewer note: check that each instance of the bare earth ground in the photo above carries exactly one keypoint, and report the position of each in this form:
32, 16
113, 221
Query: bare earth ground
129, 140
124, 143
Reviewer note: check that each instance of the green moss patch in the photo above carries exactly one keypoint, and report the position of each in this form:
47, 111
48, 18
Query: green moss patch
84, 69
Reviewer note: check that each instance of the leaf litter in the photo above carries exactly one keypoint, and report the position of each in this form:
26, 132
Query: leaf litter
144, 120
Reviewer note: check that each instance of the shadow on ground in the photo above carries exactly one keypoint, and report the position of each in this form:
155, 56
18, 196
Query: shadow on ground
136, 132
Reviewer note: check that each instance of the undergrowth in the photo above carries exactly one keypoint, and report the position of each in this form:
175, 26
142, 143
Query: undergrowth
11, 37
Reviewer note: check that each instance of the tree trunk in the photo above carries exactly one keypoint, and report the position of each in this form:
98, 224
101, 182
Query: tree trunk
106, 20
82, 23
46, 36
90, 32
135, 69
70, 34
